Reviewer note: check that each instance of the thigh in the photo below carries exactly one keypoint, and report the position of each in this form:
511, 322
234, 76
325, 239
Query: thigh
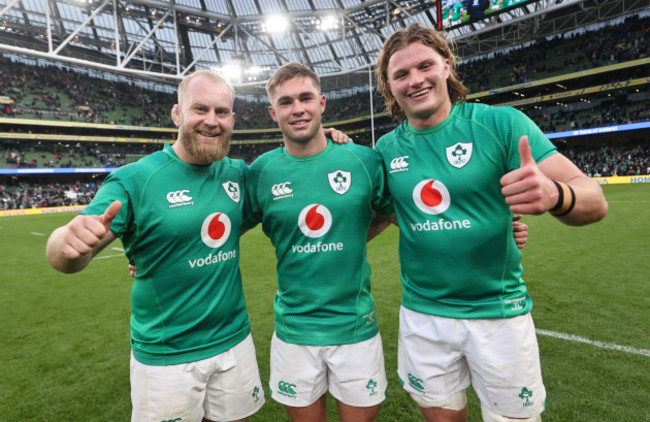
166, 392
506, 371
357, 376
234, 389
298, 373
430, 361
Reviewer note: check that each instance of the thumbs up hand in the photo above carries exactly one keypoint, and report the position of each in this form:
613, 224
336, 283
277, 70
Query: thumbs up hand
527, 190
85, 232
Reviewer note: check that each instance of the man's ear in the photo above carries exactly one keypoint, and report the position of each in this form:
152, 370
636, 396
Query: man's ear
272, 113
176, 115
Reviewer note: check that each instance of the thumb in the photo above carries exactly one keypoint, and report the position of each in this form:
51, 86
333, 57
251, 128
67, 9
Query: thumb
110, 213
525, 152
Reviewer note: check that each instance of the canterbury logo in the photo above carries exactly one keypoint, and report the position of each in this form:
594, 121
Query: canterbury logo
286, 388
399, 163
281, 189
178, 197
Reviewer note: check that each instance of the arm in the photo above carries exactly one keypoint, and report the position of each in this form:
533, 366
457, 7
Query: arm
531, 190
71, 247
379, 223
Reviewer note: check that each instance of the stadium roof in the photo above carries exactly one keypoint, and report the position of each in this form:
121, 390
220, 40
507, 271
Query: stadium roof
164, 40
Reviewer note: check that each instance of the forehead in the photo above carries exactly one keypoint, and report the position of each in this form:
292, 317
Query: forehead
414, 52
295, 86
207, 91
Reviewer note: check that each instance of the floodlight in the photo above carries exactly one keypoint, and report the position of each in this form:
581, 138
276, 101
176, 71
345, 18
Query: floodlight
328, 22
232, 72
276, 23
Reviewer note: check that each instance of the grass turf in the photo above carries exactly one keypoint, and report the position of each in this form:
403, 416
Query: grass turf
65, 347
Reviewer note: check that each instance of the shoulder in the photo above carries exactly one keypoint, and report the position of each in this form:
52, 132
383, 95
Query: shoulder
489, 113
387, 140
360, 153
264, 160
143, 167
238, 165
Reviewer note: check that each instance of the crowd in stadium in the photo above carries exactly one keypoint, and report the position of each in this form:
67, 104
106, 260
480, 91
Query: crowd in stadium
599, 162
557, 55
58, 157
606, 161
24, 195
56, 93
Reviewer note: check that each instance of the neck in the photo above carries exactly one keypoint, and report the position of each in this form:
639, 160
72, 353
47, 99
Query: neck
432, 120
308, 148
183, 155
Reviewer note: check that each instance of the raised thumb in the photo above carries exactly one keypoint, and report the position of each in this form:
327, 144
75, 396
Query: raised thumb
110, 213
524, 152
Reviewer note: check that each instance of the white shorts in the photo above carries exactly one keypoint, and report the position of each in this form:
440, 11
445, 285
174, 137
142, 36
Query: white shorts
223, 387
353, 373
438, 357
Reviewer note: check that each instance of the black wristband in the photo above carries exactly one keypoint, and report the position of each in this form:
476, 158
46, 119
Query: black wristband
573, 203
566, 200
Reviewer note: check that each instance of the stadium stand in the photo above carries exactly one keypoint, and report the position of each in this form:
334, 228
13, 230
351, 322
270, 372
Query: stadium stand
54, 116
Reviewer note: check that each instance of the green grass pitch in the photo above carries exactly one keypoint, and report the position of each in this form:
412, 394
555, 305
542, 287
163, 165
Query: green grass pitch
65, 338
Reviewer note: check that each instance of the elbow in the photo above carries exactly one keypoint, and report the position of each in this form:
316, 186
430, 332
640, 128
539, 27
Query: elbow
595, 215
602, 211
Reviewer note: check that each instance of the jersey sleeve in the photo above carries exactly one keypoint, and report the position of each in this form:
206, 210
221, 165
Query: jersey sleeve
516, 125
113, 189
381, 199
252, 210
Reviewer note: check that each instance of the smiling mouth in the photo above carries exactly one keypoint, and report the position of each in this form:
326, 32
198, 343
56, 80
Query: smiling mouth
299, 122
420, 93
208, 134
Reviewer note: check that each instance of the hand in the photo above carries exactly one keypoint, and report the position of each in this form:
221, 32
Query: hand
527, 190
86, 231
132, 270
336, 135
519, 231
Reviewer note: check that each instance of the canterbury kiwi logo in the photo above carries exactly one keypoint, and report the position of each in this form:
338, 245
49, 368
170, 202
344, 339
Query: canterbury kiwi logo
179, 198
399, 164
281, 191
286, 388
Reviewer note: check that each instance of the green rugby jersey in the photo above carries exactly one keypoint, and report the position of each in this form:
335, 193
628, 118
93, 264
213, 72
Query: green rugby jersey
457, 253
180, 226
317, 210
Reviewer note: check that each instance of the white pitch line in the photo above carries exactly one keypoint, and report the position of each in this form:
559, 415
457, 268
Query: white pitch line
602, 345
37, 234
118, 249
108, 256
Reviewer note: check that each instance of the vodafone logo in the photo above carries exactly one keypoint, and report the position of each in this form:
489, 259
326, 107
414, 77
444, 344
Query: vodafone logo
215, 229
431, 196
315, 220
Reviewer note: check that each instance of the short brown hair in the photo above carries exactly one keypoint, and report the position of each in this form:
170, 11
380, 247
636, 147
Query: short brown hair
439, 41
289, 71
213, 76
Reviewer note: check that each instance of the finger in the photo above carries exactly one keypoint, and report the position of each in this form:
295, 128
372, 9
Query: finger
110, 213
516, 217
519, 227
70, 252
524, 152
79, 245
329, 132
